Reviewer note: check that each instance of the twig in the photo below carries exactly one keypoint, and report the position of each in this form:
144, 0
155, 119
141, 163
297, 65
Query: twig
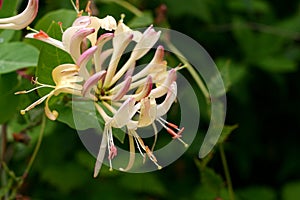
226, 171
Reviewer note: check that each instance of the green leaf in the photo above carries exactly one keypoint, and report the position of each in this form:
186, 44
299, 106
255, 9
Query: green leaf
226, 132
65, 16
257, 192
17, 55
291, 191
8, 8
277, 64
8, 86
145, 183
141, 21
6, 36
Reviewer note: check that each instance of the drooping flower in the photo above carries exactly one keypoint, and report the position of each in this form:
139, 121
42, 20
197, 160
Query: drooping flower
21, 20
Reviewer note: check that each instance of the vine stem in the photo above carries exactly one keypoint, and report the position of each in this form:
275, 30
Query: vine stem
36, 149
2, 156
226, 171
34, 154
190, 69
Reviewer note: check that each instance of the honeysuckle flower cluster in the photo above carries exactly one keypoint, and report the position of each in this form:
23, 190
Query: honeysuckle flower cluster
124, 98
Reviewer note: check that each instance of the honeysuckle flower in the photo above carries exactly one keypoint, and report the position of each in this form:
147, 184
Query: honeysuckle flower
123, 98
21, 20
72, 38
66, 79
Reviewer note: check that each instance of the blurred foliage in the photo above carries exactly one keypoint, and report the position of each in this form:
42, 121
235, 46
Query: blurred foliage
255, 44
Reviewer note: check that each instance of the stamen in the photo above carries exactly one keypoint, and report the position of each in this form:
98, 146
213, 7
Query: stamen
60, 26
31, 29
41, 35
39, 101
88, 8
177, 135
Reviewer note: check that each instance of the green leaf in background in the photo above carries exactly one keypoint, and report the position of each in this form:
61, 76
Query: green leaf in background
50, 57
65, 16
257, 193
17, 55
141, 21
278, 64
226, 132
8, 8
8, 86
291, 191
6, 35
199, 9
145, 183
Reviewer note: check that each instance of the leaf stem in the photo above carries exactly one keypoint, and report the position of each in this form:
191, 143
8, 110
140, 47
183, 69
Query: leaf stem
226, 171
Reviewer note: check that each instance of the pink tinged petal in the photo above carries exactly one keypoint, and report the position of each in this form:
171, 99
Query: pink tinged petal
99, 56
124, 114
147, 112
124, 89
84, 59
82, 21
72, 40
101, 154
164, 87
92, 81
149, 38
164, 107
120, 42
47, 39
145, 91
23, 19
154, 66
121, 28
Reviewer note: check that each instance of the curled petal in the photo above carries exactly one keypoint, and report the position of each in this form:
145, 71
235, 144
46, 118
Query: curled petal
52, 115
108, 23
149, 38
164, 87
23, 19
145, 91
61, 71
84, 59
122, 28
47, 39
100, 57
92, 81
82, 21
156, 65
72, 39
164, 107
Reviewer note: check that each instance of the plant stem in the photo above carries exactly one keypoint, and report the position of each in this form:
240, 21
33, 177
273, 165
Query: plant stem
34, 154
190, 68
2, 157
226, 171
127, 6
37, 147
